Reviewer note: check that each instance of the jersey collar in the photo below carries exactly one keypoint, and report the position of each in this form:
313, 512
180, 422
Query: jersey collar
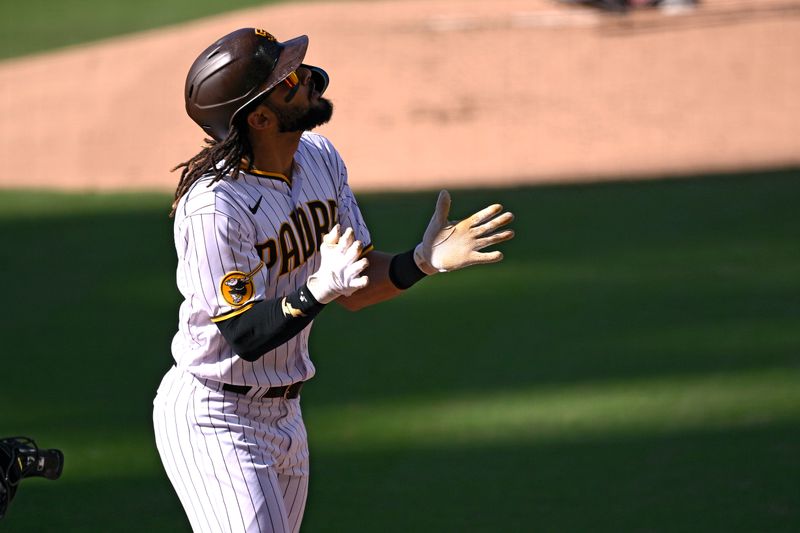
264, 174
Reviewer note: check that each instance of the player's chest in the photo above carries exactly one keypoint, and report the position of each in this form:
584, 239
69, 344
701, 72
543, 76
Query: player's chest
289, 230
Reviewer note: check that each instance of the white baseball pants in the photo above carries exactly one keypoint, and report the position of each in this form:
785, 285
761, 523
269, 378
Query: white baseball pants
239, 463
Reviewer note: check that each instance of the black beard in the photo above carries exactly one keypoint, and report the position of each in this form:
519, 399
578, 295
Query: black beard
291, 120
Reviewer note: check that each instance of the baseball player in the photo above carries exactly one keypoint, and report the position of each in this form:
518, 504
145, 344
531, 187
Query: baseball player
268, 233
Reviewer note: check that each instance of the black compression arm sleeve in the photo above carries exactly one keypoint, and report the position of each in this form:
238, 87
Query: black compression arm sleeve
403, 271
270, 323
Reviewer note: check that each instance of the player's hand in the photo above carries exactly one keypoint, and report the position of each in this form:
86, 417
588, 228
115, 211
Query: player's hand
449, 246
340, 269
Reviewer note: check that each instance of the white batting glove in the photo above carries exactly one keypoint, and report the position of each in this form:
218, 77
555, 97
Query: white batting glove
339, 270
448, 246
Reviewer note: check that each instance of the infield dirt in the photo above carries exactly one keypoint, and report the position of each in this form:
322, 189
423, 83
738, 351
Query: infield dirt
438, 93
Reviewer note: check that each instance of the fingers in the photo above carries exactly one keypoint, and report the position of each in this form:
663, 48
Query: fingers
480, 258
346, 239
442, 208
494, 239
341, 270
352, 252
360, 282
492, 225
332, 237
344, 245
358, 266
354, 283
487, 213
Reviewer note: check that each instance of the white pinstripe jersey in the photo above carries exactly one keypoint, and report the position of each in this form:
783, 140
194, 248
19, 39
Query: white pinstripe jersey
233, 226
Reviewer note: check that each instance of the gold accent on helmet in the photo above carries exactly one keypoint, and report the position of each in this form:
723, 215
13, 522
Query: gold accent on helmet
265, 33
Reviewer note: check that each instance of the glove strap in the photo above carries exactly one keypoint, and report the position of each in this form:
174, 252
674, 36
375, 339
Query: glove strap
321, 289
421, 263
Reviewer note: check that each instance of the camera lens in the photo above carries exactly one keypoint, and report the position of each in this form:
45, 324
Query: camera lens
51, 464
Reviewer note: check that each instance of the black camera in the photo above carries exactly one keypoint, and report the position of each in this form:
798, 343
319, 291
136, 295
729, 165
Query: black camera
21, 458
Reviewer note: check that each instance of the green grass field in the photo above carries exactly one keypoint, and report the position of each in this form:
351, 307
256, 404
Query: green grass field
633, 365
40, 25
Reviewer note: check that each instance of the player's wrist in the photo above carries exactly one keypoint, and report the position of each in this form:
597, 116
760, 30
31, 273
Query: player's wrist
422, 262
404, 271
305, 300
320, 290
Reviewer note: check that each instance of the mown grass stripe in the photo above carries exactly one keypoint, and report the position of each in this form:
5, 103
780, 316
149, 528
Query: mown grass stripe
552, 414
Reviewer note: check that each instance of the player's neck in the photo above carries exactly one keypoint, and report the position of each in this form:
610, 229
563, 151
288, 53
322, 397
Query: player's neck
276, 154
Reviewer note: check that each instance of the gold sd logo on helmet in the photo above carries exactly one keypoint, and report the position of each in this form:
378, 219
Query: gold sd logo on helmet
265, 33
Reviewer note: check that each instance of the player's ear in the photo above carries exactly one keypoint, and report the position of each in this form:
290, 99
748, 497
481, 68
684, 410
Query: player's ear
260, 118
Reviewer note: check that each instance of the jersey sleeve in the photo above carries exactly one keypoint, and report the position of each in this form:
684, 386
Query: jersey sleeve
221, 268
349, 212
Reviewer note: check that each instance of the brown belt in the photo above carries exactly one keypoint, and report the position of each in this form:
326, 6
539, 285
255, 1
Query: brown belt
288, 392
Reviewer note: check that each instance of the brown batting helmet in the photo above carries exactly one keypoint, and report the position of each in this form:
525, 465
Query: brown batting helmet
235, 71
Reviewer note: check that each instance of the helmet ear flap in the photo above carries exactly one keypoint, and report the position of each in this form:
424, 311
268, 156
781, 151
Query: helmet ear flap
320, 77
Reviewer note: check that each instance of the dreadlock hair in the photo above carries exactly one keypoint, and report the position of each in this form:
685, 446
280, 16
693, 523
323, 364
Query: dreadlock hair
218, 158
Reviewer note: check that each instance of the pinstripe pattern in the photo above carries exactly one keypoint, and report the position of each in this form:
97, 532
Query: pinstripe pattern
237, 463
215, 233
240, 462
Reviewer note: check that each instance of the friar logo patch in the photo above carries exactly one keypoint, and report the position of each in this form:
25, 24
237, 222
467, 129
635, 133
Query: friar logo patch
237, 287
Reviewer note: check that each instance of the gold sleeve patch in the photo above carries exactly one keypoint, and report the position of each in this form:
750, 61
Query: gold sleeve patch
237, 287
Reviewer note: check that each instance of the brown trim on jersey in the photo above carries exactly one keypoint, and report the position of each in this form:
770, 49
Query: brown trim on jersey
367, 249
232, 314
265, 174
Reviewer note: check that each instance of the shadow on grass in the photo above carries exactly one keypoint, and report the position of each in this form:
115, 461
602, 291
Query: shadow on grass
734, 480
603, 283
737, 480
